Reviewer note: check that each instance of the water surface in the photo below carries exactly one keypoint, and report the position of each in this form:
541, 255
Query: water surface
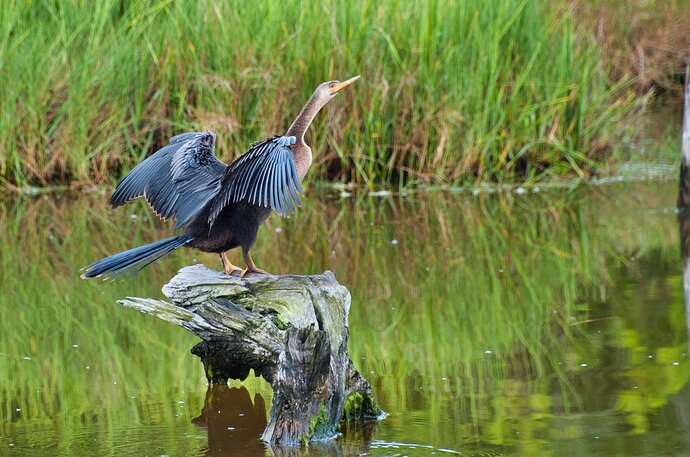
537, 323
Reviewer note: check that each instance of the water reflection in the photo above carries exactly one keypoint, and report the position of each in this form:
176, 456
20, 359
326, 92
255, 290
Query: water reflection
235, 424
684, 223
545, 323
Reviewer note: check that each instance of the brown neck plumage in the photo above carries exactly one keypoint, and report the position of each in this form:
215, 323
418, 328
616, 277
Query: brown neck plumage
306, 116
304, 119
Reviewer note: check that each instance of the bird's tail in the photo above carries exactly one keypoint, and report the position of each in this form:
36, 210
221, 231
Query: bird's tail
128, 263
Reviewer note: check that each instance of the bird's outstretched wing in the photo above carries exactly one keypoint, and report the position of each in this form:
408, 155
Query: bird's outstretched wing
265, 176
178, 180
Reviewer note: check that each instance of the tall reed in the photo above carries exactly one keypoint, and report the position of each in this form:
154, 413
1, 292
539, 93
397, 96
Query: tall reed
451, 91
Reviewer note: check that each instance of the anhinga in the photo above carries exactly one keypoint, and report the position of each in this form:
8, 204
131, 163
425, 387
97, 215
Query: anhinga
219, 206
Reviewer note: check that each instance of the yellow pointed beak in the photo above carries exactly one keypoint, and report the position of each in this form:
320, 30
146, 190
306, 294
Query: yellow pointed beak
342, 85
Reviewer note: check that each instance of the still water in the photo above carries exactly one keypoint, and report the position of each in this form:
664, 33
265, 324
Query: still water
549, 322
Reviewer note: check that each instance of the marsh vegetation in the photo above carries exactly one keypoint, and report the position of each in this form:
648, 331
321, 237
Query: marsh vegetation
451, 92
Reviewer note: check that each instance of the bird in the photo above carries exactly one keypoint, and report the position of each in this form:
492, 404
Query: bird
216, 207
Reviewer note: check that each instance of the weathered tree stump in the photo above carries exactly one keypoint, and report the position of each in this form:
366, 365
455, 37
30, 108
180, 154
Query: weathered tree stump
291, 330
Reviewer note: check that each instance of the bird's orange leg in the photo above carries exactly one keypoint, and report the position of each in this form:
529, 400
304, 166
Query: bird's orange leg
251, 268
228, 267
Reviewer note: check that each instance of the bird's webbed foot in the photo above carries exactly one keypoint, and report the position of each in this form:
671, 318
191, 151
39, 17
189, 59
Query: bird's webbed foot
228, 267
253, 270
251, 267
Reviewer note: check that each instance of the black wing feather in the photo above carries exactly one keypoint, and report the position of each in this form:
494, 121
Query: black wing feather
294, 190
285, 196
178, 180
264, 176
275, 200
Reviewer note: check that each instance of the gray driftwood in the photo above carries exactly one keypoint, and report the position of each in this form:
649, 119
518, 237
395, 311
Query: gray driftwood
291, 330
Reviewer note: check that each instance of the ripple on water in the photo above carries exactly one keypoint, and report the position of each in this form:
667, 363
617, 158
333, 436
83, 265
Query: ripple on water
395, 448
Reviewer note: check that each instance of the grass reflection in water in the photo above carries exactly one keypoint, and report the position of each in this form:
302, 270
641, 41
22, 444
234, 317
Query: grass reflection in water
514, 323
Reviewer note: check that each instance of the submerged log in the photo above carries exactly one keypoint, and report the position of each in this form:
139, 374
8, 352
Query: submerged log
291, 330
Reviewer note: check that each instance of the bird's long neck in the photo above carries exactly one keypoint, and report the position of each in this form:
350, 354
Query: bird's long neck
305, 117
300, 125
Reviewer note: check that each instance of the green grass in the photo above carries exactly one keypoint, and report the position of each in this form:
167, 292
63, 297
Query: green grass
451, 91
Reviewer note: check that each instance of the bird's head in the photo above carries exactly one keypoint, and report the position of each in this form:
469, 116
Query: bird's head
326, 91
